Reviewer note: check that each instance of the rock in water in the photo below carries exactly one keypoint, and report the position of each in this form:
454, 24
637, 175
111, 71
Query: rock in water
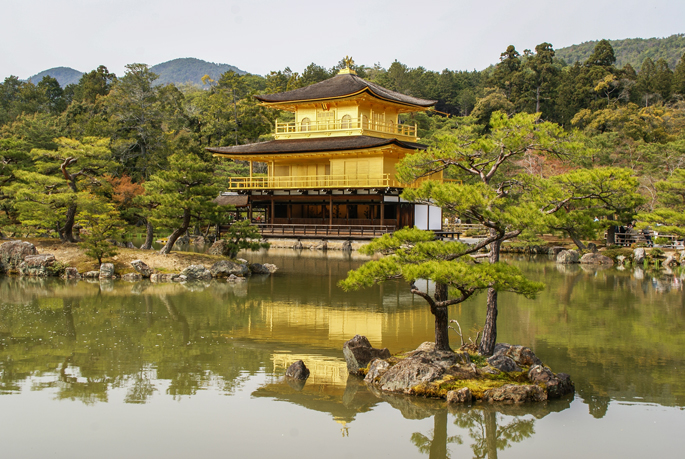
639, 255
225, 268
555, 385
270, 267
298, 370
144, 270
359, 353
132, 277
106, 271
377, 368
71, 273
462, 395
568, 257
39, 266
511, 393
12, 253
256, 268
596, 259
196, 272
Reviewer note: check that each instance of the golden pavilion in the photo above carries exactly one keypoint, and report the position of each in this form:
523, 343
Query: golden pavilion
331, 172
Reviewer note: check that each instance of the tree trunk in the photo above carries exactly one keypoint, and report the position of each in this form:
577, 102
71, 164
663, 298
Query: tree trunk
442, 338
577, 241
487, 343
149, 235
177, 233
68, 229
439, 444
611, 235
491, 433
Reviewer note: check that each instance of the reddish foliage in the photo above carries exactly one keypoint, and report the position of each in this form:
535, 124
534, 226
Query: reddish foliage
124, 190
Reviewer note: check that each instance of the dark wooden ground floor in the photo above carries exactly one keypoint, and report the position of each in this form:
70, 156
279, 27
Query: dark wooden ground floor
328, 210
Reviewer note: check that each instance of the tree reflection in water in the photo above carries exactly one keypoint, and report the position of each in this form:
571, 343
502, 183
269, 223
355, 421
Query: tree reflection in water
492, 428
436, 445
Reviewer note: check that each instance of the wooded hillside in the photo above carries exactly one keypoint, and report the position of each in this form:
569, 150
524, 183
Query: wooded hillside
631, 51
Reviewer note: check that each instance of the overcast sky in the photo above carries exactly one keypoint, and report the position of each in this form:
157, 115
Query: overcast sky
262, 35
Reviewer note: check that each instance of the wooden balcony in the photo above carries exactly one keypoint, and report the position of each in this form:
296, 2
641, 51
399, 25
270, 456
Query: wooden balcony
316, 182
309, 230
343, 127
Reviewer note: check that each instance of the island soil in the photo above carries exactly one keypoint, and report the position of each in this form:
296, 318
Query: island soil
73, 255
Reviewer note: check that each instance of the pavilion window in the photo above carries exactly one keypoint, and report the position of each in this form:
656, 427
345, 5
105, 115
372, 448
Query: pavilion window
325, 119
305, 125
346, 122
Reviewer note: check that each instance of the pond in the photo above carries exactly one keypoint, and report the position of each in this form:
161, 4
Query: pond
114, 369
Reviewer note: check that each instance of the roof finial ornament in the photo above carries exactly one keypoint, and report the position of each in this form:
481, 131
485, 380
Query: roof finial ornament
349, 64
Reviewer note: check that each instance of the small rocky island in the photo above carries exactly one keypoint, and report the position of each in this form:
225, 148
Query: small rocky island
513, 374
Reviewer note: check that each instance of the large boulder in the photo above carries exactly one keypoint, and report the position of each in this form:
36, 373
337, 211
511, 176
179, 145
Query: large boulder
163, 277
462, 395
131, 277
512, 393
596, 259
40, 266
555, 385
568, 257
71, 273
639, 255
521, 355
12, 253
503, 363
107, 271
409, 373
359, 353
220, 247
144, 270
298, 370
91, 274
196, 272
555, 250
670, 261
267, 268
377, 368
226, 268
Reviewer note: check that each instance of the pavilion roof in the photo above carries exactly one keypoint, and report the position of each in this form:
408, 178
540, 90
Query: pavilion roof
324, 144
343, 85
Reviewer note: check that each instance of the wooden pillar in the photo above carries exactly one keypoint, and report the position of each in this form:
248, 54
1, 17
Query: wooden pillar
249, 209
382, 209
273, 211
330, 209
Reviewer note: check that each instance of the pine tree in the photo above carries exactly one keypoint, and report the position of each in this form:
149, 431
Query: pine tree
183, 194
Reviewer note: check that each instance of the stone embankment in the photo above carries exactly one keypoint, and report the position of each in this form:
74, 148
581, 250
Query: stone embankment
513, 374
22, 258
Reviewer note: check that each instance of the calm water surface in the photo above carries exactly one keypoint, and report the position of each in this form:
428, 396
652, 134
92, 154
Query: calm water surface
113, 370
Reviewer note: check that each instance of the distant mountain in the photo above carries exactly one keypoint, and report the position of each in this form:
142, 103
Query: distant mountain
63, 75
190, 70
631, 50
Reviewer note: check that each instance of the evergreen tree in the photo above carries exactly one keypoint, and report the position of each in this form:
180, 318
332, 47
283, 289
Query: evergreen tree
678, 81
412, 254
49, 196
670, 212
184, 194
